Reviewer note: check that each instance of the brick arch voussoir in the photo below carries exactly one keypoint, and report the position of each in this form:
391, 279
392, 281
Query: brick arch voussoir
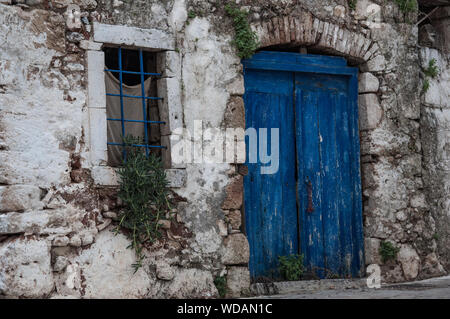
306, 30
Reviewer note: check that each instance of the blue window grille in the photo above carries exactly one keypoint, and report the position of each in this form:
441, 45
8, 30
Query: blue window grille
144, 99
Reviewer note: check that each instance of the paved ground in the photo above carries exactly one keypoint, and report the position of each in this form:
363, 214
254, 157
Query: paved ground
436, 288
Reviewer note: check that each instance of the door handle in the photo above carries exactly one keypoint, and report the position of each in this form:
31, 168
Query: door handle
310, 207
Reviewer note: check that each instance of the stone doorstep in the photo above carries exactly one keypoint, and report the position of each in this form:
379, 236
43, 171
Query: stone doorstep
288, 287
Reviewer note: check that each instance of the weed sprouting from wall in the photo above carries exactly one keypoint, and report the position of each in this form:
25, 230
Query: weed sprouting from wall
221, 284
432, 71
144, 193
388, 251
407, 6
245, 39
352, 4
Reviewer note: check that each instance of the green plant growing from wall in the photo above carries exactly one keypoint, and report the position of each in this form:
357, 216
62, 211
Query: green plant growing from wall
191, 14
352, 4
245, 40
145, 197
221, 284
407, 6
432, 71
388, 251
426, 85
291, 267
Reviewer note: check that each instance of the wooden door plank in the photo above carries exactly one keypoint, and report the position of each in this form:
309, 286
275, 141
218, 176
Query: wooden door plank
311, 238
330, 182
357, 217
345, 198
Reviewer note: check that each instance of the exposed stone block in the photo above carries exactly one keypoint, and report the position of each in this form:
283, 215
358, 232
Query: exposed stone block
29, 222
90, 45
234, 192
25, 269
98, 135
96, 79
17, 198
61, 241
287, 30
235, 219
176, 177
370, 111
223, 231
265, 36
371, 249
60, 263
104, 175
75, 241
410, 261
282, 30
292, 28
171, 111
191, 283
365, 47
237, 251
238, 281
432, 267
236, 87
366, 9
368, 83
299, 30
235, 113
164, 271
339, 11
418, 201
135, 37
109, 257
375, 64
275, 31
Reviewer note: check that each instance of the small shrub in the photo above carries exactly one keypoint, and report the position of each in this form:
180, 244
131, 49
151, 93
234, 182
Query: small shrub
291, 267
352, 4
245, 40
144, 193
221, 284
388, 251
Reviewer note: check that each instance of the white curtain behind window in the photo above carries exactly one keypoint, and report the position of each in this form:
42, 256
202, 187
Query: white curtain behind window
132, 109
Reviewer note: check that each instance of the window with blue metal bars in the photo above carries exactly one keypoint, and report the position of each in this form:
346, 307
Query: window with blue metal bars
128, 71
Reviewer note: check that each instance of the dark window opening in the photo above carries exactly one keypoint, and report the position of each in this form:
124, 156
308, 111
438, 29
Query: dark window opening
131, 102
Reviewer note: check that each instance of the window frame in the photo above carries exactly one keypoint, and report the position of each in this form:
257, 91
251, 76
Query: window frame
169, 90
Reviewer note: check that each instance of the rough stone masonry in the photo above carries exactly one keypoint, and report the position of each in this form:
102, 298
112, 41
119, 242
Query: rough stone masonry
58, 206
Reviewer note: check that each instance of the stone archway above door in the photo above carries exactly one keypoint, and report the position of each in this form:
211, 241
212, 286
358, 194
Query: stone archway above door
306, 30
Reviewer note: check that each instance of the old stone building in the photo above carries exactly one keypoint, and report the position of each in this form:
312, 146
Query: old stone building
58, 192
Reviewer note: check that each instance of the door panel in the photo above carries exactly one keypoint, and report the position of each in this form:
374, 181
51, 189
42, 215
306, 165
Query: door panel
312, 205
270, 199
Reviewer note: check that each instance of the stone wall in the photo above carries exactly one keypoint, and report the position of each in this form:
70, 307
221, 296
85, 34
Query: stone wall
435, 129
56, 222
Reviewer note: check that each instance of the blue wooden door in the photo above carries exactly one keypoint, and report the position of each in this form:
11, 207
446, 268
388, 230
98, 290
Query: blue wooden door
312, 204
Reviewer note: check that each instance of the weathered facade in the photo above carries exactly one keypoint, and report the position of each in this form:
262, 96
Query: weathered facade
58, 201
